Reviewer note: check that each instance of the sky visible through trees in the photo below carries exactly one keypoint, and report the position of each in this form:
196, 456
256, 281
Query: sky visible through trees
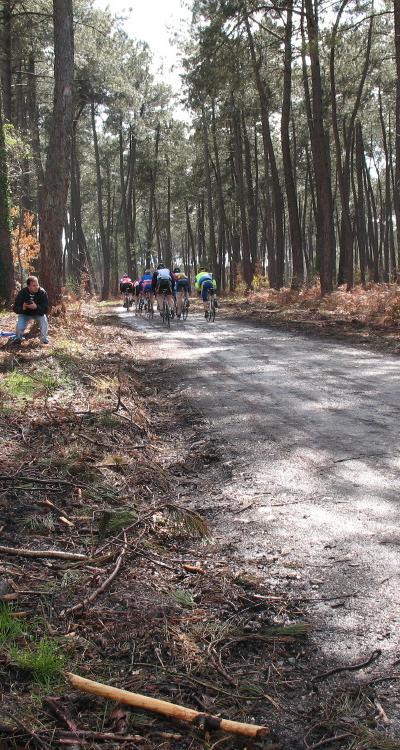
269, 153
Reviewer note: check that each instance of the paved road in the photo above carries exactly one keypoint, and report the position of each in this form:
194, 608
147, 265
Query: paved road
313, 427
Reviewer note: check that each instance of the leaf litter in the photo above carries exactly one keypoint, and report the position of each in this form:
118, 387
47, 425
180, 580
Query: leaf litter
147, 601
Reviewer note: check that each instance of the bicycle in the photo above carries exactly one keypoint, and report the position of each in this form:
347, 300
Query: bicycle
148, 305
185, 307
212, 306
141, 304
128, 301
166, 310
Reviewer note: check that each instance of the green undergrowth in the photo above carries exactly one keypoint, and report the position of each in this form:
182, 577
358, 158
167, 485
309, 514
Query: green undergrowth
185, 598
41, 657
10, 627
25, 386
111, 522
44, 660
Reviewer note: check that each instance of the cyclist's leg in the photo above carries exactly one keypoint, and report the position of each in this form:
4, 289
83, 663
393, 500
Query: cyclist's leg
179, 302
204, 297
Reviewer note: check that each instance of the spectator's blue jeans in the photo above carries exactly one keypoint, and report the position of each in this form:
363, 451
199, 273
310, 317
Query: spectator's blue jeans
23, 321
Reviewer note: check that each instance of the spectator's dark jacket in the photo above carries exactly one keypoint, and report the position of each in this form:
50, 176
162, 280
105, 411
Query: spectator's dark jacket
40, 298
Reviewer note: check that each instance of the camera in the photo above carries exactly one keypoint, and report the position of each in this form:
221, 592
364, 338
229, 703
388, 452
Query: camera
31, 299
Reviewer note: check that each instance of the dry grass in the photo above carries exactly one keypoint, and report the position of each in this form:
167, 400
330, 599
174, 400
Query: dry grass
376, 304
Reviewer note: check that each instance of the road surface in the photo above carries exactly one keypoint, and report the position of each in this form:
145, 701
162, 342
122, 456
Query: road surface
311, 426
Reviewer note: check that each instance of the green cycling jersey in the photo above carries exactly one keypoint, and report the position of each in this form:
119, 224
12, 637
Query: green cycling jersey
201, 278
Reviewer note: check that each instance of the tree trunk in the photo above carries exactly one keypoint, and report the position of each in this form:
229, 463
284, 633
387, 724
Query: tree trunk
386, 206
6, 73
269, 155
251, 198
396, 192
294, 221
56, 182
247, 265
211, 225
346, 265
6, 261
123, 201
105, 250
221, 204
320, 157
168, 248
191, 238
153, 181
360, 205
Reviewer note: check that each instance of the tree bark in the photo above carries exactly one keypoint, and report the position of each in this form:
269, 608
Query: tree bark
6, 261
153, 181
168, 247
6, 73
396, 192
320, 157
124, 202
210, 207
294, 220
269, 156
55, 190
105, 250
240, 188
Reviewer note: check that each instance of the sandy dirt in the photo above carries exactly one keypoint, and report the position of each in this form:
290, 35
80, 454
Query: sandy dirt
309, 428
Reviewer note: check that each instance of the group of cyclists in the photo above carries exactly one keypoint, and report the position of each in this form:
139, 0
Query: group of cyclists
170, 290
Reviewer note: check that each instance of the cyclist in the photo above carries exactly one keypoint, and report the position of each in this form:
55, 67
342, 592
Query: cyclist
182, 289
125, 285
204, 282
137, 290
146, 285
163, 281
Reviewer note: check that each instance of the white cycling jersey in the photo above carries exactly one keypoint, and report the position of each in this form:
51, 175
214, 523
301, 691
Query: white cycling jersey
164, 273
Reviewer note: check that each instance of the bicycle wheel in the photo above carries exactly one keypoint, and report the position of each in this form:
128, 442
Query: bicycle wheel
141, 305
150, 309
211, 309
167, 314
185, 308
164, 310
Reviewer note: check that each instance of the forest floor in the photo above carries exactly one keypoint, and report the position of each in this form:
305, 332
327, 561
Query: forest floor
106, 454
368, 316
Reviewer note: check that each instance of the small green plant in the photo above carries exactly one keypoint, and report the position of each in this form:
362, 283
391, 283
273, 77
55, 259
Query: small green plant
10, 627
185, 598
187, 522
21, 385
44, 659
111, 522
41, 523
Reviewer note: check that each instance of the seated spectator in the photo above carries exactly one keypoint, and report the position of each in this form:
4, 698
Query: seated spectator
31, 303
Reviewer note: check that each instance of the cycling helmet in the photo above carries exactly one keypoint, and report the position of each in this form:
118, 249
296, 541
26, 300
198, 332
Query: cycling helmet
177, 270
125, 276
160, 265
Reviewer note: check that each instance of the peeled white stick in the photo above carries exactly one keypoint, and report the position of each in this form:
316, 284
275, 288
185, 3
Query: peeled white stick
164, 707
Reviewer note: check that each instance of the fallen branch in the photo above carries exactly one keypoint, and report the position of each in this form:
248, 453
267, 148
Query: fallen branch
350, 667
165, 708
40, 480
54, 705
328, 741
42, 553
102, 736
193, 569
100, 589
